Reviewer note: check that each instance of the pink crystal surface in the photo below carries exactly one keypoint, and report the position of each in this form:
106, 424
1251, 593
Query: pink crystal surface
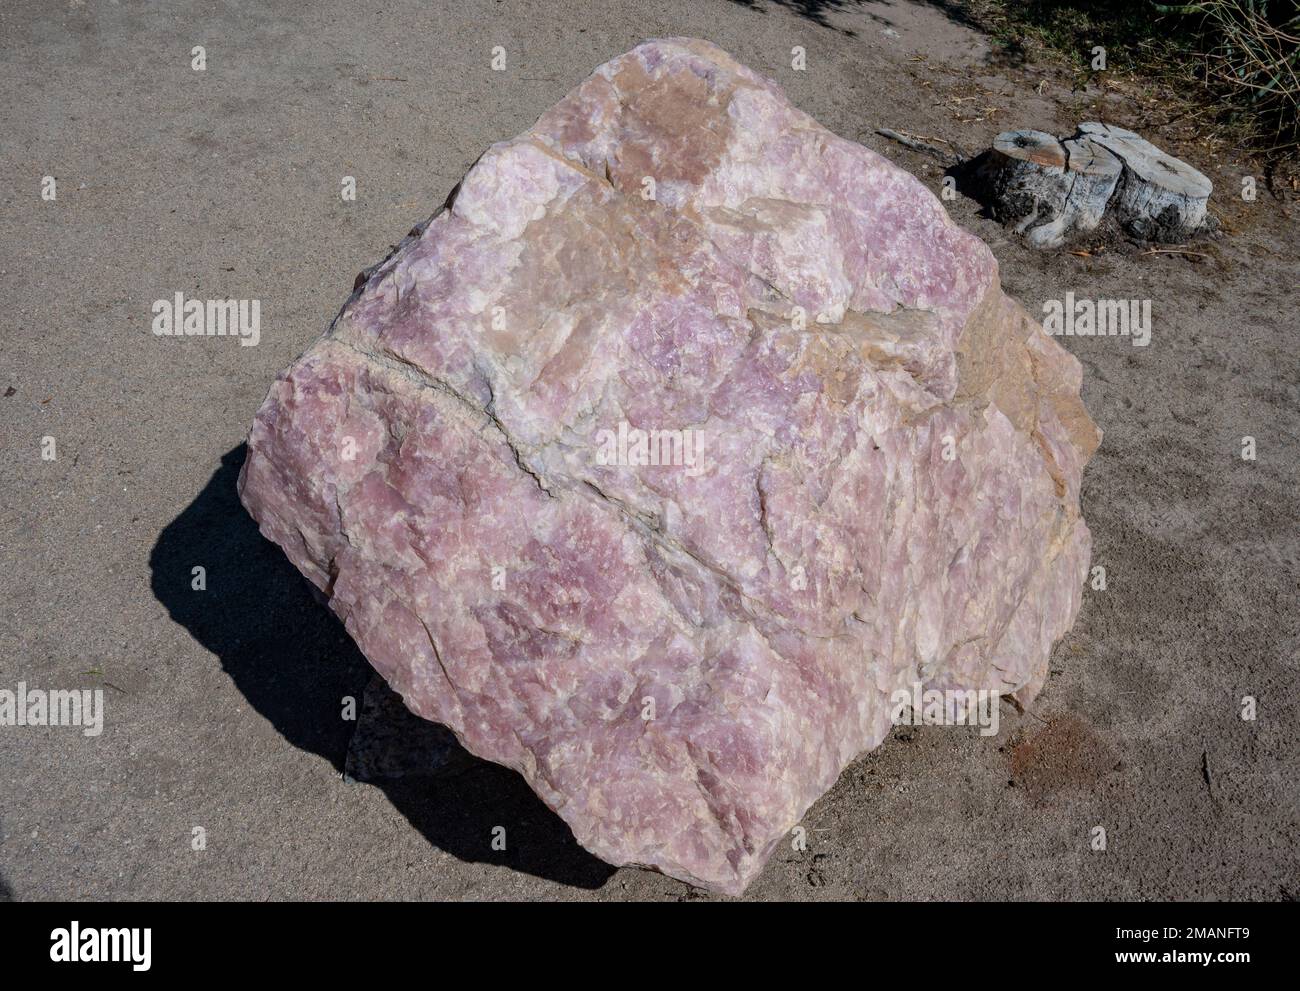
681, 659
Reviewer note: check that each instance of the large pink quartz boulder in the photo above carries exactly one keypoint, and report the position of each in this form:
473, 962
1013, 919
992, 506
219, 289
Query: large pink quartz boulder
859, 468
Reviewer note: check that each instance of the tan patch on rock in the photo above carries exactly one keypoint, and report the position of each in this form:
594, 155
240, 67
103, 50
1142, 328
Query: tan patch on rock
674, 127
1004, 357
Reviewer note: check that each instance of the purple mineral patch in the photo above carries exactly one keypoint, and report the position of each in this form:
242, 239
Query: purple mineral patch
685, 436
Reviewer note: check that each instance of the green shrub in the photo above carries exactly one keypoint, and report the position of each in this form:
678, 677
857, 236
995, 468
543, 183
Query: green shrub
1238, 60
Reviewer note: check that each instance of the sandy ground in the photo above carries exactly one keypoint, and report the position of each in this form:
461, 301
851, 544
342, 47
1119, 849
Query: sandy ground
223, 706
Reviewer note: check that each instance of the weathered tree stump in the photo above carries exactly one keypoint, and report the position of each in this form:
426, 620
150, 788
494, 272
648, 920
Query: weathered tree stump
1046, 189
1096, 173
1160, 198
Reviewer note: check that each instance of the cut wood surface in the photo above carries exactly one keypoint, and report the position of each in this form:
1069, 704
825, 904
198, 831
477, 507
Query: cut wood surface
1034, 147
1160, 198
1025, 176
1047, 189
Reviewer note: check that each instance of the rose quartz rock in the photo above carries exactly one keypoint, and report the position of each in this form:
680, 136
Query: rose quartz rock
680, 658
